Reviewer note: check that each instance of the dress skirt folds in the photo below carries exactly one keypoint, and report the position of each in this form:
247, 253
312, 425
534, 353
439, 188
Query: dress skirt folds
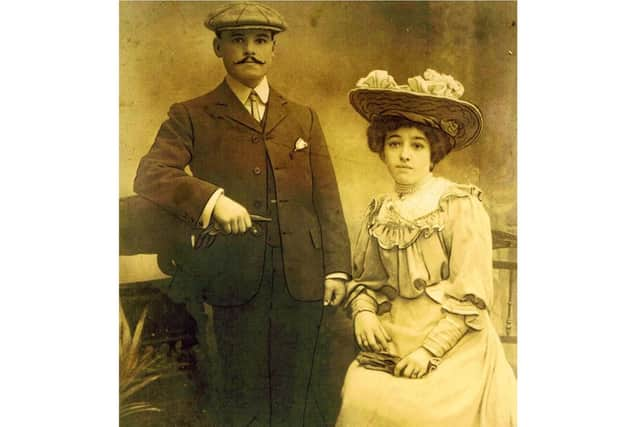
473, 386
417, 260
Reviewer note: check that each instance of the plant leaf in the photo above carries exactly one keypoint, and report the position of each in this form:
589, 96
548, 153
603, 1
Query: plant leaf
125, 331
138, 372
133, 388
136, 407
134, 350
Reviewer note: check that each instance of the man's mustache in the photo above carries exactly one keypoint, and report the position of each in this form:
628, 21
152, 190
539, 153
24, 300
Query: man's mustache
250, 59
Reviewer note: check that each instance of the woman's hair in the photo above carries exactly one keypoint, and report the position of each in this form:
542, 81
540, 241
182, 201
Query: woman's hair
440, 143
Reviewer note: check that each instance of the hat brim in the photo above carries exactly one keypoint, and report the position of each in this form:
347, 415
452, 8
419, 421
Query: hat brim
273, 28
374, 102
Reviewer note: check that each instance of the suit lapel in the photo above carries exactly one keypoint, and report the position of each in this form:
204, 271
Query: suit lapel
276, 110
225, 104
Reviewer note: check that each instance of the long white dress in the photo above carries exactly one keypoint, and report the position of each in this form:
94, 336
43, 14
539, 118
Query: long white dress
419, 258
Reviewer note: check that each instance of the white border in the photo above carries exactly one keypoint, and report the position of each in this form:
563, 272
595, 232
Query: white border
578, 220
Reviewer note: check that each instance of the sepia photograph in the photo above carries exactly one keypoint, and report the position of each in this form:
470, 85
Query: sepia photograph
318, 214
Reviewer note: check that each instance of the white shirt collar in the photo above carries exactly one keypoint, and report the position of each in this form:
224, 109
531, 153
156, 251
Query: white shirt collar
242, 92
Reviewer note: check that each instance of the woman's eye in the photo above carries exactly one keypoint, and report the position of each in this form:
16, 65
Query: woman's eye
418, 146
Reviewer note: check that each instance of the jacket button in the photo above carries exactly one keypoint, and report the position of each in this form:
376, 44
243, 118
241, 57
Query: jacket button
256, 230
257, 203
256, 139
257, 171
419, 284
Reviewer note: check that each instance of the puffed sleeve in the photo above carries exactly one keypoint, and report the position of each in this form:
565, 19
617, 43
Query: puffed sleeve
369, 274
468, 290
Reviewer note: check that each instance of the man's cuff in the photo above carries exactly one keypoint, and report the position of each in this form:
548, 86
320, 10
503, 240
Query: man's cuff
205, 217
338, 275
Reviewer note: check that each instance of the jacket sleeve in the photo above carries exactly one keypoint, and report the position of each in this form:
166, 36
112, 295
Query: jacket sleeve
326, 200
161, 175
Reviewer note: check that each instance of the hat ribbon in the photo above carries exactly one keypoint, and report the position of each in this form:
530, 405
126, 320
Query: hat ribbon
450, 127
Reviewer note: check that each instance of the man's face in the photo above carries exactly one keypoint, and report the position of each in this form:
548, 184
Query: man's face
247, 54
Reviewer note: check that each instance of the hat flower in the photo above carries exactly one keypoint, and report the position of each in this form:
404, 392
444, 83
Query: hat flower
433, 83
378, 79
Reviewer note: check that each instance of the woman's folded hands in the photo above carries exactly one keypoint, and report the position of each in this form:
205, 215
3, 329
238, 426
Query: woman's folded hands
372, 337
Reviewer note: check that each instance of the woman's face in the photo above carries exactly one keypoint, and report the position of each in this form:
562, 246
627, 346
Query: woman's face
407, 154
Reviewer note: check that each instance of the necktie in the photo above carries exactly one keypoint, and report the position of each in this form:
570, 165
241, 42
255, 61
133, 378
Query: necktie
255, 111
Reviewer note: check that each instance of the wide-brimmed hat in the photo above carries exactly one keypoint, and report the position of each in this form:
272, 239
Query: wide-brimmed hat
431, 98
245, 16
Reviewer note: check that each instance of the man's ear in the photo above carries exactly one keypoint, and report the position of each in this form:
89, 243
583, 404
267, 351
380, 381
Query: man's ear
216, 47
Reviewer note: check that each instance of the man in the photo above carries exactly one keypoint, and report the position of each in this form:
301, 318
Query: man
252, 152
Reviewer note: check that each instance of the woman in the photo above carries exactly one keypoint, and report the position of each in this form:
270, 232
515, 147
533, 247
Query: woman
422, 282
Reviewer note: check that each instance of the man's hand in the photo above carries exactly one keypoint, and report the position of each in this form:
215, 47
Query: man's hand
414, 365
231, 216
334, 291
370, 333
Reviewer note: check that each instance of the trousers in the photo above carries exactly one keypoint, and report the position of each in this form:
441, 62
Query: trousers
260, 369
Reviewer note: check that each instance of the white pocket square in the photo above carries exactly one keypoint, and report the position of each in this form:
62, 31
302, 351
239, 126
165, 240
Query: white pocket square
300, 144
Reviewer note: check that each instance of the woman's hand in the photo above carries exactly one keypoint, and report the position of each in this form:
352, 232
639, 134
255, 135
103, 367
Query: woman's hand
370, 333
414, 365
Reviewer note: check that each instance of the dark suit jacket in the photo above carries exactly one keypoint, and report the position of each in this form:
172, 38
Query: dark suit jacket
225, 147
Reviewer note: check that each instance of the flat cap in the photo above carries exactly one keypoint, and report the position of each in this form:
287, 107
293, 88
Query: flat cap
245, 16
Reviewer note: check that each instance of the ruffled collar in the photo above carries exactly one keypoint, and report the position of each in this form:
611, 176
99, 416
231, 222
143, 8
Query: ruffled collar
399, 221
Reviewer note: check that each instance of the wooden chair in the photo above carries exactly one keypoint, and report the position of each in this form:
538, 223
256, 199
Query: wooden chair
504, 313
